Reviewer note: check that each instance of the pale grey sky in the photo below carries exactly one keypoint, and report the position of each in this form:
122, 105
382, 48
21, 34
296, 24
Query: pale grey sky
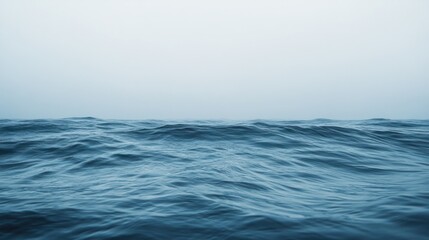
223, 59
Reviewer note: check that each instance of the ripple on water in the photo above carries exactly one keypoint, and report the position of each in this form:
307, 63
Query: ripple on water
87, 178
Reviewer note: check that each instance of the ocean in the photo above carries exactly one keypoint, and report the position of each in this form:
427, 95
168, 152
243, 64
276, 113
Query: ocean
88, 178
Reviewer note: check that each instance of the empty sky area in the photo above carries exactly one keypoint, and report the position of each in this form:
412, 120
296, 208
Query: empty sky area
235, 59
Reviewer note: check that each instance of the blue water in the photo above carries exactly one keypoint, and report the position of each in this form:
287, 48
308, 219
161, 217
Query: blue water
86, 178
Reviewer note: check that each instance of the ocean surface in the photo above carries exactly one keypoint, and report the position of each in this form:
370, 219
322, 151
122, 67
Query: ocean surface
87, 178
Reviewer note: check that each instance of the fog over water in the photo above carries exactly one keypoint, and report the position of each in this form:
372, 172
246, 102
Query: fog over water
214, 59
221, 120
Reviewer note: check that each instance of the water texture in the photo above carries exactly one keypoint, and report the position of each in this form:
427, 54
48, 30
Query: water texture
86, 178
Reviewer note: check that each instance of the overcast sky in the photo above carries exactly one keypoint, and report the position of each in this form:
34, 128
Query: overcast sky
223, 59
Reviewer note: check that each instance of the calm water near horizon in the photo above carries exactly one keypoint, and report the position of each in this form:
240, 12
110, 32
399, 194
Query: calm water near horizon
87, 178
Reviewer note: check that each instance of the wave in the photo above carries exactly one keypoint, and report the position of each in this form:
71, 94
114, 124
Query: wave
88, 178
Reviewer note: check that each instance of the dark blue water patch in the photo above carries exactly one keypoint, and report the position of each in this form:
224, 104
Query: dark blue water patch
88, 178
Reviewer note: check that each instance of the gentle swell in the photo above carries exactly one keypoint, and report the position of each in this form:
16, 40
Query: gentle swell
87, 178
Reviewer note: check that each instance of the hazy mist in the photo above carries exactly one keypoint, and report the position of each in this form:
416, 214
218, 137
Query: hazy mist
220, 59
